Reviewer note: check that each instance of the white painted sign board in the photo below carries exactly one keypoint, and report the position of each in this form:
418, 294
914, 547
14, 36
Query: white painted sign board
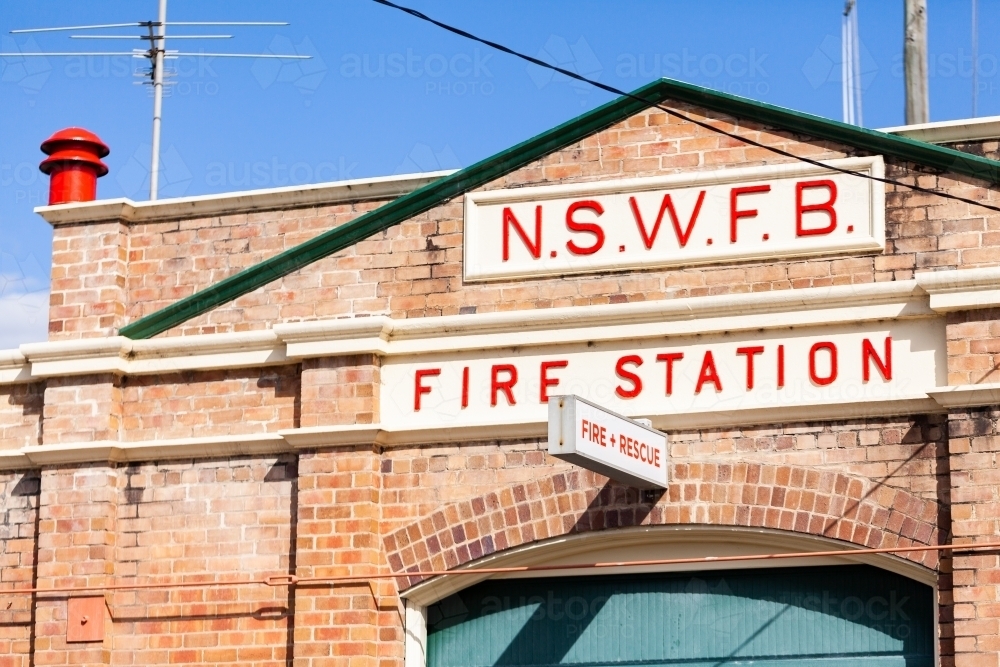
598, 439
765, 212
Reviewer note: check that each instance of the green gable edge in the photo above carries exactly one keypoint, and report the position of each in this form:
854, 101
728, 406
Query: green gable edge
526, 152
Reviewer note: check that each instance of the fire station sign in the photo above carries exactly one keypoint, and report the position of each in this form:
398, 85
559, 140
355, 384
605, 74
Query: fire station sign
694, 218
678, 377
603, 441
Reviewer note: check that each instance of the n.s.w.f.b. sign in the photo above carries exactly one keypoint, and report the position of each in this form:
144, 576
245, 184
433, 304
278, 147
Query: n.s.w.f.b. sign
732, 214
603, 441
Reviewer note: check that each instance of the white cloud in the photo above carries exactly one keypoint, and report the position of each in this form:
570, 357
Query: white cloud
24, 318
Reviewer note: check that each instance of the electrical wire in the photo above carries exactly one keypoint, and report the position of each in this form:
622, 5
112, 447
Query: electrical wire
677, 114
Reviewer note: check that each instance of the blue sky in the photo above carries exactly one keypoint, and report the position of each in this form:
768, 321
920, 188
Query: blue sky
387, 94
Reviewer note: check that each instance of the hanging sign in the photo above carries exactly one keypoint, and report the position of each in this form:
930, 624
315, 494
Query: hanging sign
598, 439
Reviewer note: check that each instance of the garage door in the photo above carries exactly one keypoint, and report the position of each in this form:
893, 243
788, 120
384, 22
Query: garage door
831, 616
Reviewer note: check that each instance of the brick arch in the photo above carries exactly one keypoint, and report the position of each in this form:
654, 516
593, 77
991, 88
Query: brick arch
806, 501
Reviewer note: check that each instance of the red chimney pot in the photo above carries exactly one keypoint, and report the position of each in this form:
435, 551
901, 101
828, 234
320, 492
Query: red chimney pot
74, 165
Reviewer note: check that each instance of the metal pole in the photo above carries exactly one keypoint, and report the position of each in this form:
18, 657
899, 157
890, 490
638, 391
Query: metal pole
845, 66
915, 62
159, 46
856, 65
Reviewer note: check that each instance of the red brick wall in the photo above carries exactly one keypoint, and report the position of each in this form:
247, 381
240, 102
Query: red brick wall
18, 530
975, 473
207, 403
20, 415
82, 408
974, 346
76, 542
205, 521
89, 265
340, 390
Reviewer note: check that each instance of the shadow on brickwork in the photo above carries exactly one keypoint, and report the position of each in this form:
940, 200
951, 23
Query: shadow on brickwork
281, 471
29, 487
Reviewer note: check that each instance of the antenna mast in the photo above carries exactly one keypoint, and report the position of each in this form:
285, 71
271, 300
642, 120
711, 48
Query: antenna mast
158, 45
850, 51
156, 53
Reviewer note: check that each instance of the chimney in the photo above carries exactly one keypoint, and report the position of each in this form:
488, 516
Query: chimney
74, 165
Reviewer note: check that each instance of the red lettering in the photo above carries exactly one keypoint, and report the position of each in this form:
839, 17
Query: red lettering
546, 381
656, 457
666, 205
832, 351
418, 386
826, 206
750, 352
868, 354
584, 431
507, 386
603, 437
535, 249
629, 376
708, 373
781, 366
465, 387
735, 214
669, 358
587, 227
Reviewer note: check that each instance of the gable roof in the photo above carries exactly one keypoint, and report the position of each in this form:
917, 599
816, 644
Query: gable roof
526, 152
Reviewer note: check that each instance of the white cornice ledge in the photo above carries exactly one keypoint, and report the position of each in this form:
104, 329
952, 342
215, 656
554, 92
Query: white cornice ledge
230, 203
124, 452
78, 357
968, 395
948, 131
384, 336
14, 368
322, 338
964, 289
375, 434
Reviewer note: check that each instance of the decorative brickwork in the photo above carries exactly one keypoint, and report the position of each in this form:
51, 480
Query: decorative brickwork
761, 496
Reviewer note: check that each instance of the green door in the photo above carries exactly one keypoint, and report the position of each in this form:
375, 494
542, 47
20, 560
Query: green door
838, 616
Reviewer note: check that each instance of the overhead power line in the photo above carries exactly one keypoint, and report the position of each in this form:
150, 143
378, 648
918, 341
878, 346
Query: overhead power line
677, 114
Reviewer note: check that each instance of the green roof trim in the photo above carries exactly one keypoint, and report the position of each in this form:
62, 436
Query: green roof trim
561, 136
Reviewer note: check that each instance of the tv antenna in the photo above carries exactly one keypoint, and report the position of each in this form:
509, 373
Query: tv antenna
157, 52
851, 64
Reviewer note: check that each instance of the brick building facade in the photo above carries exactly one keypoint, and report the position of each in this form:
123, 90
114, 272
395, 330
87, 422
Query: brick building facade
175, 431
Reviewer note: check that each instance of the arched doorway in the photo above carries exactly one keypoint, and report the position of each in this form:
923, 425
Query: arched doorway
834, 616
